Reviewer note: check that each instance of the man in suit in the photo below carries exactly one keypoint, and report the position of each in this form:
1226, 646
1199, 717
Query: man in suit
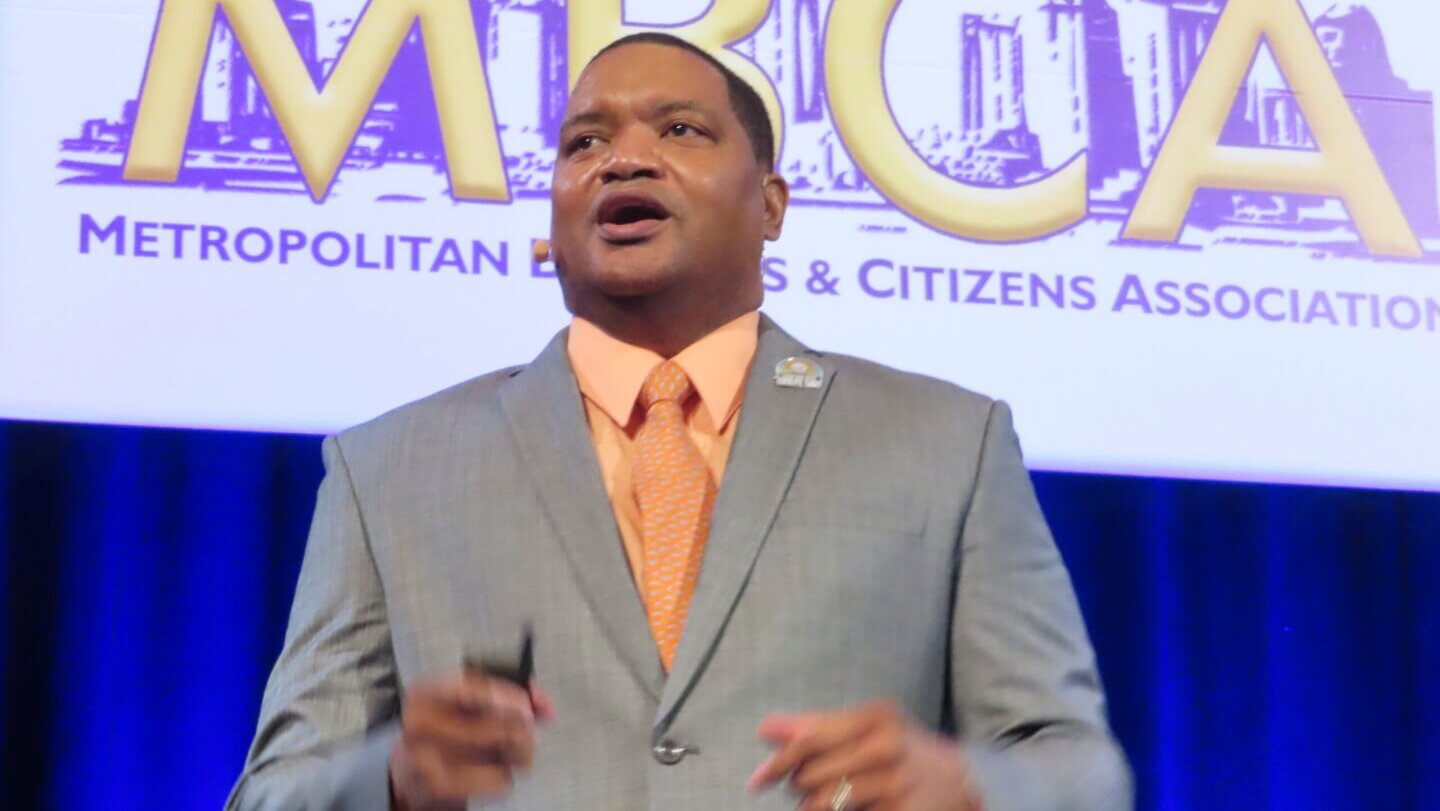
757, 574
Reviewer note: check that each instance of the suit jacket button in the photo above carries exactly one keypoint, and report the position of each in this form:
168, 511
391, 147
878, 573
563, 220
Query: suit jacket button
668, 752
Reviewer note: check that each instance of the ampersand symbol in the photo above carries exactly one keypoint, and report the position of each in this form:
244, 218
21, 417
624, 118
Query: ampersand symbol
820, 282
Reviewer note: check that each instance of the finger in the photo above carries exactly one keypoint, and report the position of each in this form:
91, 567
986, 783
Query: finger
867, 791
826, 733
480, 694
781, 727
425, 775
880, 749
466, 736
432, 784
458, 782
463, 738
521, 751
461, 688
483, 780
541, 703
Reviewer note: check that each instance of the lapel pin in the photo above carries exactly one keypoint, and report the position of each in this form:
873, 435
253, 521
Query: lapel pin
799, 373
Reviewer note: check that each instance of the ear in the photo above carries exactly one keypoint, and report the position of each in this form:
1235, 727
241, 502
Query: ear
777, 198
552, 252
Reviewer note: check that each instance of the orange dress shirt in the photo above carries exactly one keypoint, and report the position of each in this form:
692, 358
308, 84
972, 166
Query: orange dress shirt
610, 373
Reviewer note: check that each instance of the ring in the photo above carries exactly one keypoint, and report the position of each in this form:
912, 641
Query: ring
840, 800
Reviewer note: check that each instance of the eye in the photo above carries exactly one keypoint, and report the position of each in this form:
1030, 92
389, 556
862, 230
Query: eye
580, 143
682, 129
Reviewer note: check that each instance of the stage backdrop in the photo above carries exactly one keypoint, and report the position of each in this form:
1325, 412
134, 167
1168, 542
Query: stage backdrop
1183, 238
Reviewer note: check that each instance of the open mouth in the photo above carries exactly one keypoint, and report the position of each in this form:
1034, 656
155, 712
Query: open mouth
627, 217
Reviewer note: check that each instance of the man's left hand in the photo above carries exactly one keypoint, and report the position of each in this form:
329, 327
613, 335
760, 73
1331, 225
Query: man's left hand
890, 763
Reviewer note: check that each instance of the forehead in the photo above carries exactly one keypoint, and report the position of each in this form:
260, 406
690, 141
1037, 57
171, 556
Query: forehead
646, 72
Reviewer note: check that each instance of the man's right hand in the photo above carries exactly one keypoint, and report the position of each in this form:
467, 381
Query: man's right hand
462, 735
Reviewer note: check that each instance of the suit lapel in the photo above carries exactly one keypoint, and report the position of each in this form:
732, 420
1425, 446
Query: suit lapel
774, 426
547, 421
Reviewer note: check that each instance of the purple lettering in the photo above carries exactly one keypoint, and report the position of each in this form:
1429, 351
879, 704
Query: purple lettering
1320, 308
414, 243
1241, 311
179, 231
479, 254
1132, 292
983, 277
266, 241
360, 261
1083, 289
773, 268
1195, 294
929, 274
290, 241
89, 228
870, 289
213, 237
1169, 294
1408, 323
448, 257
317, 249
1011, 289
1260, 304
1351, 301
1056, 294
145, 239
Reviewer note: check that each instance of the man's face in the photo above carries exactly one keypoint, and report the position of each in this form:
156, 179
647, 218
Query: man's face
657, 191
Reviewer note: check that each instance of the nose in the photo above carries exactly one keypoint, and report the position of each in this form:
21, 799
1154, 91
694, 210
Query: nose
632, 155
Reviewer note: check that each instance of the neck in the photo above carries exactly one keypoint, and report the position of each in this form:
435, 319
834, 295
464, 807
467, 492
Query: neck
664, 330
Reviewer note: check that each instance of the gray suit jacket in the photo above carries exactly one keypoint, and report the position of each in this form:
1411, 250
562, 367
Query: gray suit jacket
877, 536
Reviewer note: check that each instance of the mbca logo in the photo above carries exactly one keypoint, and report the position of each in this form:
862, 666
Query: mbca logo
1062, 111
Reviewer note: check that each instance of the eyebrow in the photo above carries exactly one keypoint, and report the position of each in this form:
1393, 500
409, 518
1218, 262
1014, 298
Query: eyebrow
591, 117
659, 111
678, 106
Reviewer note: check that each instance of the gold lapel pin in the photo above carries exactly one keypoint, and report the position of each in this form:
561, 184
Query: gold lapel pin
799, 373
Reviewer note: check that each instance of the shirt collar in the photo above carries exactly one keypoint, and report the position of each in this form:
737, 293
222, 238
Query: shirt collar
610, 371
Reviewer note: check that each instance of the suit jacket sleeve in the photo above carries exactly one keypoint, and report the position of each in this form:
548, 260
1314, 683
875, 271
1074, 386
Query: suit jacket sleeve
1026, 694
327, 719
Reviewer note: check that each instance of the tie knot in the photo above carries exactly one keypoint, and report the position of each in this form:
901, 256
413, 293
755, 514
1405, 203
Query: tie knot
666, 382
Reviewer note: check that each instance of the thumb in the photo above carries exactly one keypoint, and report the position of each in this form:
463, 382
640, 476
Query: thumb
541, 703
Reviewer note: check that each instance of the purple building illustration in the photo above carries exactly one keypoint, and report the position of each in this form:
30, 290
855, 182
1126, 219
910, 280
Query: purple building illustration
231, 105
1162, 41
1082, 87
789, 47
1398, 122
997, 145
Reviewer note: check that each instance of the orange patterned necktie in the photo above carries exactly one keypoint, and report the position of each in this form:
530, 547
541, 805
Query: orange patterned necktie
676, 495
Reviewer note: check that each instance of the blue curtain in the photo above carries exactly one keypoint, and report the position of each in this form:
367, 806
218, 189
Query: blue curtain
1264, 647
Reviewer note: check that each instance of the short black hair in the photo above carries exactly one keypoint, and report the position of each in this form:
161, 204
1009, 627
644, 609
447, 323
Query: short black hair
744, 101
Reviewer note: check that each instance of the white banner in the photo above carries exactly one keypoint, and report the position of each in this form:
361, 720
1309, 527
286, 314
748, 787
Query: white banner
1182, 239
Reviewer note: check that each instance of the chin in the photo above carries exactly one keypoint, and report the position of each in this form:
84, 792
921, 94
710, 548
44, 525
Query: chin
622, 277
